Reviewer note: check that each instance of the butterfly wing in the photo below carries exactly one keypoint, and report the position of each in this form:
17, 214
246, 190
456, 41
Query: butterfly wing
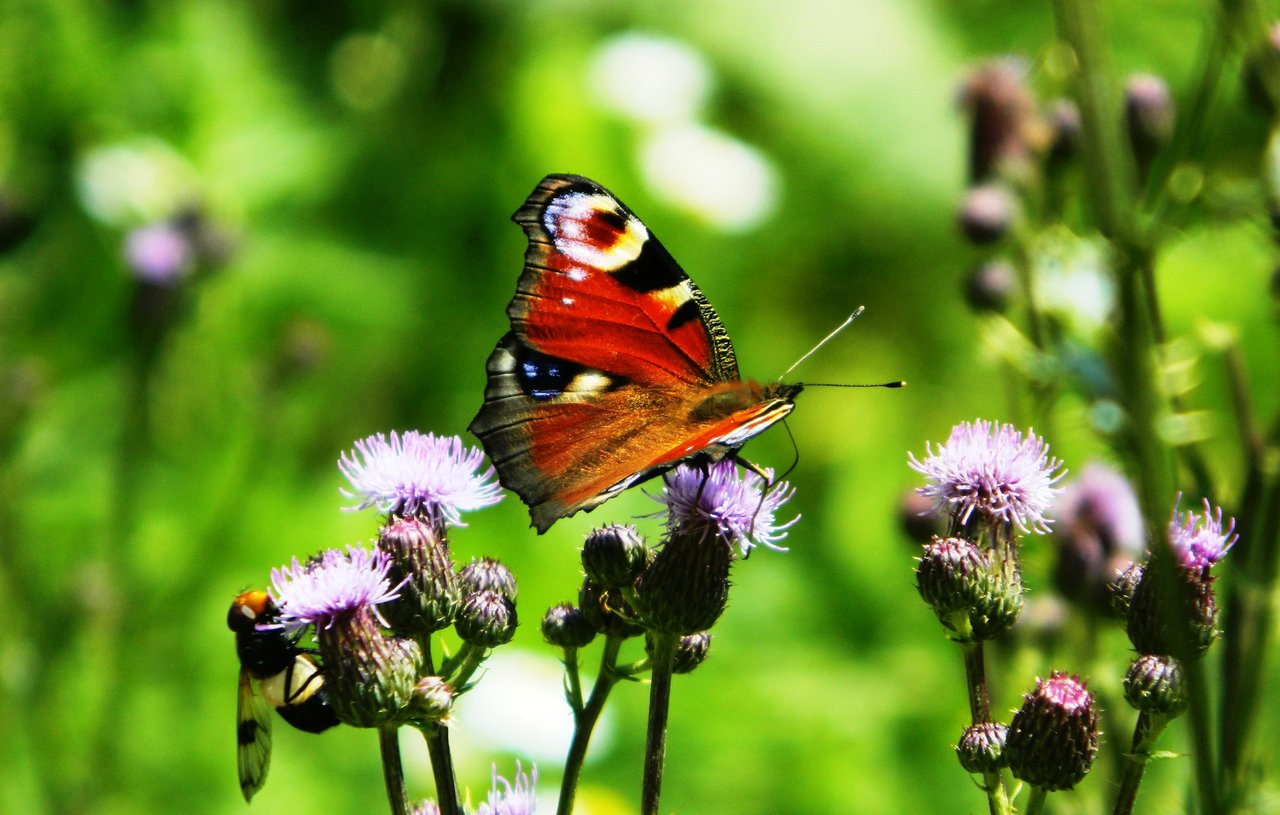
616, 366
253, 737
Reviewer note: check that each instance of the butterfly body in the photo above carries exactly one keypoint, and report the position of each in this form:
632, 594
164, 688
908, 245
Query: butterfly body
616, 367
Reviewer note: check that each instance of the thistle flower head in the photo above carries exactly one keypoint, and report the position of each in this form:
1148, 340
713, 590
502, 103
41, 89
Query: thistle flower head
1199, 541
513, 798
719, 501
334, 585
993, 469
416, 473
1053, 738
1099, 531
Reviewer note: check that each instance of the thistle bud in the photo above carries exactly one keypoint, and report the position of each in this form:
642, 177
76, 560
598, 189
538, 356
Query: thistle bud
1065, 126
1122, 587
370, 676
951, 575
432, 700
565, 626
981, 747
691, 651
423, 567
1149, 116
986, 213
487, 574
487, 619
1179, 619
1053, 737
687, 587
1098, 531
607, 611
1153, 684
614, 556
1005, 127
991, 286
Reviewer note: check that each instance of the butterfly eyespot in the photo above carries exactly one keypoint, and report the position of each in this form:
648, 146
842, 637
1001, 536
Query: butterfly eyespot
544, 377
591, 230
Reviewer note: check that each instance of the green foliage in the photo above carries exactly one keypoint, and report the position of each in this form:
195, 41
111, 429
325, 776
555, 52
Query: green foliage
354, 166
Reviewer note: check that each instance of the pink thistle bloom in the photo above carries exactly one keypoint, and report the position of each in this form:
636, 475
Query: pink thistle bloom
721, 501
337, 585
995, 470
416, 473
1199, 541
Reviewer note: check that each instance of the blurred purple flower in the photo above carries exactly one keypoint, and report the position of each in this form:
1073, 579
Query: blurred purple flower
993, 469
332, 586
160, 254
416, 473
1199, 541
720, 501
513, 799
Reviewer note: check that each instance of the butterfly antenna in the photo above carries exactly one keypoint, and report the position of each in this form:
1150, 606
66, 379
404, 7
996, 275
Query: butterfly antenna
823, 342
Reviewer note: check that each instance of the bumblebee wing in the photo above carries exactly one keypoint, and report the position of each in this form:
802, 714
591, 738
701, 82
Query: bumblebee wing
253, 738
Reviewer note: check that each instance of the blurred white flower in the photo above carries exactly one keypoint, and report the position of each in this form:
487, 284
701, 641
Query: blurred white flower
141, 181
728, 183
649, 79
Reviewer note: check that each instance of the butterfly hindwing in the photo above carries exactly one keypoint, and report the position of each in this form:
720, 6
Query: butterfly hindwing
615, 368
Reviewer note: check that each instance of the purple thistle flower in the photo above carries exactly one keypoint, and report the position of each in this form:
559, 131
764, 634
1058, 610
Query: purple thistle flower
513, 799
993, 469
1199, 541
335, 586
721, 502
416, 473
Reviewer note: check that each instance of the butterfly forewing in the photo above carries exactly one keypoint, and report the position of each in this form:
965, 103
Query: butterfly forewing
600, 290
616, 367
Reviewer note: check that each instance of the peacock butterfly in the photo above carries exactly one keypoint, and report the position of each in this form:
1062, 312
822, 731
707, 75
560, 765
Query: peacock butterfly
616, 367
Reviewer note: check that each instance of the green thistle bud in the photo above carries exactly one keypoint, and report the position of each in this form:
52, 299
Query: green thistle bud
432, 700
1122, 587
370, 676
687, 587
487, 574
1053, 738
951, 575
981, 747
607, 611
1001, 601
430, 596
1179, 619
986, 213
614, 556
691, 651
565, 626
1154, 685
487, 619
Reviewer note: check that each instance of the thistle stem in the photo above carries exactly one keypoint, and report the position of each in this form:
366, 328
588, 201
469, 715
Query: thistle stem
975, 672
664, 652
584, 722
393, 770
1035, 801
437, 737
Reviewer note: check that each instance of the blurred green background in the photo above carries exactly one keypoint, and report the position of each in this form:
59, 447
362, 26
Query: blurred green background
351, 169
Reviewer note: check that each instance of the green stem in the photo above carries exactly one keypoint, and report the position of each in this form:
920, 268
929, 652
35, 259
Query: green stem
584, 723
664, 652
1144, 734
975, 672
393, 770
437, 738
1035, 801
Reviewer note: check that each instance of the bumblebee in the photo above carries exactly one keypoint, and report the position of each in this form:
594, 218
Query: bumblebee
287, 679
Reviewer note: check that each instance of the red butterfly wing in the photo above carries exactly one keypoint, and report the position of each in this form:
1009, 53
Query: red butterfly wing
616, 366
